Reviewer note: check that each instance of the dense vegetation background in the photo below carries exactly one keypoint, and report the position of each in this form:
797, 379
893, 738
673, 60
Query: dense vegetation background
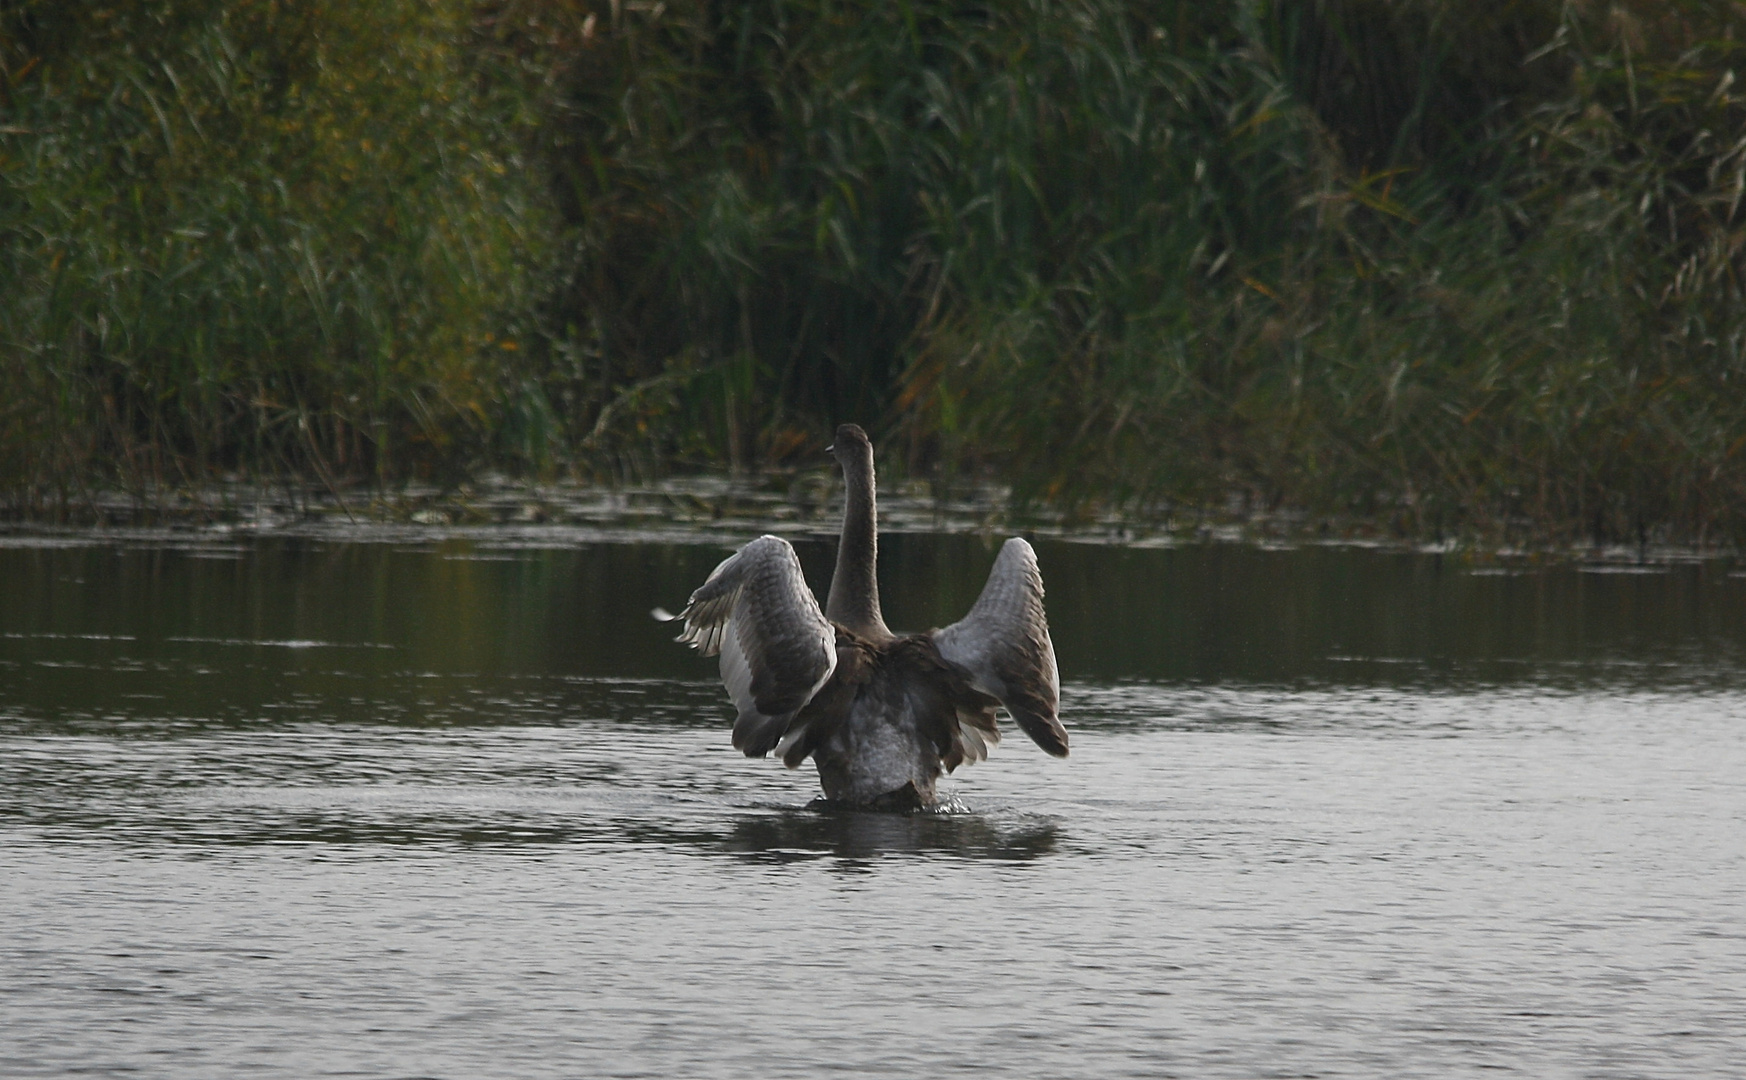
1452, 266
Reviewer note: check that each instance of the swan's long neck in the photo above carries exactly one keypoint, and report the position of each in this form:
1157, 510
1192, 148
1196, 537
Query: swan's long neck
854, 597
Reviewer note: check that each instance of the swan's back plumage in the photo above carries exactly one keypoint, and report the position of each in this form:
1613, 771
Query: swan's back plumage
893, 715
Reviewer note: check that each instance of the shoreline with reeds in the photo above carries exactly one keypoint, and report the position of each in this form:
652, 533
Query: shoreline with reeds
719, 508
1413, 269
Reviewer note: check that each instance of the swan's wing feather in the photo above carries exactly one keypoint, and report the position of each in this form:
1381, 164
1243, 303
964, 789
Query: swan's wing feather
1003, 647
776, 647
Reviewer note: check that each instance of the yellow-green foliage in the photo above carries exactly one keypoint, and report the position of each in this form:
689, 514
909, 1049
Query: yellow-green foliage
258, 236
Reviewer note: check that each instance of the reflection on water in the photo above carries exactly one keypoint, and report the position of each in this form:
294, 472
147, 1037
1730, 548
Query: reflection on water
1213, 612
859, 835
313, 809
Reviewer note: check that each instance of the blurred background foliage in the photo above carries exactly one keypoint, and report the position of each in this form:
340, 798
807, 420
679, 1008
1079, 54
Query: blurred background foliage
282, 239
1450, 267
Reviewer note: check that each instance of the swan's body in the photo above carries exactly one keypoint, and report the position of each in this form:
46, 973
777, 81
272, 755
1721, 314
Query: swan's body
880, 714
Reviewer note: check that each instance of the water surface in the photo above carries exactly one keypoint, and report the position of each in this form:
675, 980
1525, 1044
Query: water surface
460, 808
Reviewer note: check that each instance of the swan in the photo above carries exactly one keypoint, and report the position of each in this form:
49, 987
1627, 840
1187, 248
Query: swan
880, 714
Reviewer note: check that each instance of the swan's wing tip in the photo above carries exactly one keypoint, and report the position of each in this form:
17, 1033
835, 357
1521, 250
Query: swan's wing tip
1051, 737
661, 614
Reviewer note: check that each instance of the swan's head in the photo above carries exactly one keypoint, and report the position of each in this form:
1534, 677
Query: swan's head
851, 446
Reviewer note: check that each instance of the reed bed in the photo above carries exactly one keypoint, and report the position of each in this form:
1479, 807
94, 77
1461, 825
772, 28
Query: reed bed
255, 239
1450, 269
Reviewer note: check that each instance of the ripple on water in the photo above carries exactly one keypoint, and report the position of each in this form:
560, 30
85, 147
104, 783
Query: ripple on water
282, 850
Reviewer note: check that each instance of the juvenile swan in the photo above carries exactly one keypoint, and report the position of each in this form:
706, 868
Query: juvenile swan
880, 714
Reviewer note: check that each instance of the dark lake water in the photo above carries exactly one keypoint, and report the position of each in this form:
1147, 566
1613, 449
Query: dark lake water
455, 806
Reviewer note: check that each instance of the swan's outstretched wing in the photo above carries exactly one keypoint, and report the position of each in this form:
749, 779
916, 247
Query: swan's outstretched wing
1003, 646
776, 648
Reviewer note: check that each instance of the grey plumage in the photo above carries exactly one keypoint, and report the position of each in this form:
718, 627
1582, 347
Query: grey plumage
880, 714
776, 648
1003, 646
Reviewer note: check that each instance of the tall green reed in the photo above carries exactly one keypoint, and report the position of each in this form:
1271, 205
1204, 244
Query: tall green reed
249, 239
1455, 268
803, 211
